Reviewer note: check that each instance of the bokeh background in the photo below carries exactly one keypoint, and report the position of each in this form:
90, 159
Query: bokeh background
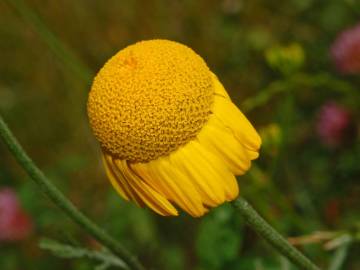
286, 64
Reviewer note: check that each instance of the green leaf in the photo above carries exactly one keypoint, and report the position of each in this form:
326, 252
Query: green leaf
70, 252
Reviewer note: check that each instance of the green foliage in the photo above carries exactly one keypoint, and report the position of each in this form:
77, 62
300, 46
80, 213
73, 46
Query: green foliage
104, 258
219, 239
287, 59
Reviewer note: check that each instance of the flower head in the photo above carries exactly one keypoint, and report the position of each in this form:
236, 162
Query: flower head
15, 224
335, 126
346, 50
169, 133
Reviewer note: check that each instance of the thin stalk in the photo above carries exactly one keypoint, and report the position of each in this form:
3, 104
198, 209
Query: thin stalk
339, 257
58, 198
257, 223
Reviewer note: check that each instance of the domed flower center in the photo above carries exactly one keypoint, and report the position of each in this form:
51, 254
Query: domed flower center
149, 99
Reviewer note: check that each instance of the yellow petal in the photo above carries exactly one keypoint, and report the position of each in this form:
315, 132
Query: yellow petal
219, 88
147, 194
221, 141
122, 181
228, 179
113, 179
233, 118
211, 179
119, 181
167, 179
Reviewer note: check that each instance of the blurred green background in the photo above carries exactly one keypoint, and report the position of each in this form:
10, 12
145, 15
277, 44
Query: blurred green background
274, 60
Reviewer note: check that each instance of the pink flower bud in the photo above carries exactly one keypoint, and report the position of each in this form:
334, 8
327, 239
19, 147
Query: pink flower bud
15, 224
334, 125
346, 50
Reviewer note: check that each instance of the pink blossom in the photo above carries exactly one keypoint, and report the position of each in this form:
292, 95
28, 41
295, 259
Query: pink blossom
15, 224
345, 51
334, 125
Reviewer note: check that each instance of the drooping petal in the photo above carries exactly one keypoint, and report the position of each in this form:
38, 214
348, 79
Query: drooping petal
228, 179
131, 187
219, 88
213, 180
122, 182
170, 181
234, 119
146, 193
114, 179
221, 141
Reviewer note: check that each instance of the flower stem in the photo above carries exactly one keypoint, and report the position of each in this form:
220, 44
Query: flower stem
58, 198
339, 257
257, 223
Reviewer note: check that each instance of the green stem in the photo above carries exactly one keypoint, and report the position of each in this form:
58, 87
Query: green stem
61, 201
257, 223
339, 257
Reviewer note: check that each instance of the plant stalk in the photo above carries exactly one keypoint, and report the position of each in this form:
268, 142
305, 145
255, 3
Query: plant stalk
58, 198
257, 223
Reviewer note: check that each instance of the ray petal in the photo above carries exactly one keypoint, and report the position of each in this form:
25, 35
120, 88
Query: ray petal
175, 185
234, 119
147, 194
220, 140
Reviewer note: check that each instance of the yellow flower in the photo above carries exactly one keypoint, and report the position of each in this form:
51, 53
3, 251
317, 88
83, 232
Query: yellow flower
169, 133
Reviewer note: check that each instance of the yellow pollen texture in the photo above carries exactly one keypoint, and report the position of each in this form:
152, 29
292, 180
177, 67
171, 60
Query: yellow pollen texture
149, 99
